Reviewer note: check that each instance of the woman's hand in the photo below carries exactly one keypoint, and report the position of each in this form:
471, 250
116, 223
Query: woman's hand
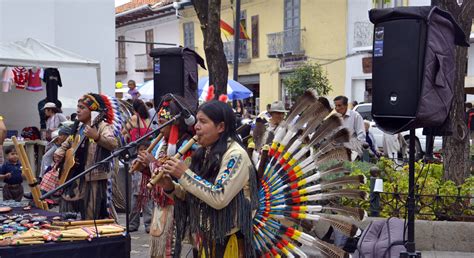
174, 167
145, 158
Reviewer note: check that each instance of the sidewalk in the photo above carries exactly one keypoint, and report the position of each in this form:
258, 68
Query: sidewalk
140, 243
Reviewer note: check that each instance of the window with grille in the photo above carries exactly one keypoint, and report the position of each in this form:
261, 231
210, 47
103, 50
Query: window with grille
188, 30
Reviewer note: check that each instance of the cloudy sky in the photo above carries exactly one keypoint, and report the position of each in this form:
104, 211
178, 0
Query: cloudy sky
120, 2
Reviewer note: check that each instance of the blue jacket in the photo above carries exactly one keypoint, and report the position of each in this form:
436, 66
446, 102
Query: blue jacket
15, 170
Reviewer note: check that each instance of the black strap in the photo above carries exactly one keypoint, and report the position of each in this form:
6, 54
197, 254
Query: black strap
34, 184
399, 242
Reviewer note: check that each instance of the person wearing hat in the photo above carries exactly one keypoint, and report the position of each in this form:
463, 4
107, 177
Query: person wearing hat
277, 114
55, 117
58, 137
88, 195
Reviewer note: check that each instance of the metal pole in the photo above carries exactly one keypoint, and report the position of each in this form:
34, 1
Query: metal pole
429, 147
127, 191
410, 245
236, 40
147, 42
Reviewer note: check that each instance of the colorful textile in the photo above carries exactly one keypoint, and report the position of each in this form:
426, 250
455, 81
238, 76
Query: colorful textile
20, 75
50, 180
34, 80
90, 102
7, 79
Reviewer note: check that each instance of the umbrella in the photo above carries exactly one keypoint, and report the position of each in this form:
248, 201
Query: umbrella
235, 90
146, 90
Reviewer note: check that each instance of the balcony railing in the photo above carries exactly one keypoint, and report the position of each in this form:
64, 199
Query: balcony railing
285, 43
120, 65
143, 63
243, 51
363, 32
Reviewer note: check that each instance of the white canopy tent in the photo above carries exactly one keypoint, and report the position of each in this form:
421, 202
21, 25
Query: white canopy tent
32, 52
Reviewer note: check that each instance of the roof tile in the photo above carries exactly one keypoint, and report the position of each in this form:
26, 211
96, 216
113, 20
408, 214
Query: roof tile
137, 3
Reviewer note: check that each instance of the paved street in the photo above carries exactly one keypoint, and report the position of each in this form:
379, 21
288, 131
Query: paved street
140, 242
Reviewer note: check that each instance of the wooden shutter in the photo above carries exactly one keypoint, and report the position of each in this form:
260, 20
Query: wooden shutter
254, 36
121, 46
149, 38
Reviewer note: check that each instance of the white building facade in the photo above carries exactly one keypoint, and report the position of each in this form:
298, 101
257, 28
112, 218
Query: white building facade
358, 83
85, 27
148, 23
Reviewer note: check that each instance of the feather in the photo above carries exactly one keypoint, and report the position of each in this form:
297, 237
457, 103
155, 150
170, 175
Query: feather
330, 250
210, 93
317, 119
328, 126
293, 175
345, 180
356, 213
259, 133
223, 98
346, 228
314, 113
333, 140
348, 193
338, 153
263, 161
335, 169
309, 97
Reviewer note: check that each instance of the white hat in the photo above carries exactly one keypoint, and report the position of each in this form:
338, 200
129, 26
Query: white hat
277, 106
49, 105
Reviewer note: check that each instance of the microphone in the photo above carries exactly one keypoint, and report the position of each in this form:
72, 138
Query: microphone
189, 118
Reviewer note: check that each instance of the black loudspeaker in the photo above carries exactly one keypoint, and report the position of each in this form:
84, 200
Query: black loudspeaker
413, 66
175, 71
397, 70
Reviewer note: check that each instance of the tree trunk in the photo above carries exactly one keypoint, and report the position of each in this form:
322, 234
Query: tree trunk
456, 147
209, 15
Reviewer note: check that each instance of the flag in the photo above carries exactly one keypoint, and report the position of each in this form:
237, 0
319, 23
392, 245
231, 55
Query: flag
243, 33
226, 29
229, 31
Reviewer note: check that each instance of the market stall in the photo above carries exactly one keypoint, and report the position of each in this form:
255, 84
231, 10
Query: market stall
21, 62
57, 235
22, 226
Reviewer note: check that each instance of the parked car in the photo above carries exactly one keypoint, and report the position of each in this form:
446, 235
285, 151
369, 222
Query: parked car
365, 110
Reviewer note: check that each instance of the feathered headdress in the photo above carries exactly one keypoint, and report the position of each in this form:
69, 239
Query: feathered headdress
294, 176
100, 103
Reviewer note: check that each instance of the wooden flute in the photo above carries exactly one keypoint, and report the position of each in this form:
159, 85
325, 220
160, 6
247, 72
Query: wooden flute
157, 176
138, 166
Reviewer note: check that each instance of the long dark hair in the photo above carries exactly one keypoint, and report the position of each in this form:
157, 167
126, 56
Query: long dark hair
140, 108
218, 112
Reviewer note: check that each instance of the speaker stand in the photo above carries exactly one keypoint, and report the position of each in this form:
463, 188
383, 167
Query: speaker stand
410, 245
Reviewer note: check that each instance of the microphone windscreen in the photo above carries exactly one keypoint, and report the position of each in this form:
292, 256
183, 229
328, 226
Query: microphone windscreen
190, 121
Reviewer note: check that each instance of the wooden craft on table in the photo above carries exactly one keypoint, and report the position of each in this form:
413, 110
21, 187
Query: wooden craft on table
30, 178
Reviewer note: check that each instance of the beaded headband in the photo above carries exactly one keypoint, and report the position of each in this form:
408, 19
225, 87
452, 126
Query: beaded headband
90, 102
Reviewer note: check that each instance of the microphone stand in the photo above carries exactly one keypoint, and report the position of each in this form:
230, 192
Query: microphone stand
122, 153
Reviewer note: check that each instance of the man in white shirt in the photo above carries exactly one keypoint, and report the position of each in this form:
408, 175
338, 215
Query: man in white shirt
353, 121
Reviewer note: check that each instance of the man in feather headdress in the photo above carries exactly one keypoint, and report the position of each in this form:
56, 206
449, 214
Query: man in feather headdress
88, 195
